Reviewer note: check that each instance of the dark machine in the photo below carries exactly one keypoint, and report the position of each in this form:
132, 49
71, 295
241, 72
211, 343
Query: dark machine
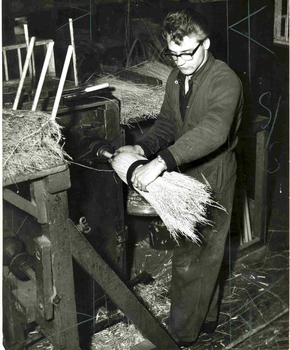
65, 239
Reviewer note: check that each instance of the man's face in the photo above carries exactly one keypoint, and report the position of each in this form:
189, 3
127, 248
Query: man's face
187, 46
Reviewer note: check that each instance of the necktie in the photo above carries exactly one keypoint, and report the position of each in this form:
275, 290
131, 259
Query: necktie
186, 83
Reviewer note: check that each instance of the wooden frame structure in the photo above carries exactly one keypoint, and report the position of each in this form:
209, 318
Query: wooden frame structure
18, 47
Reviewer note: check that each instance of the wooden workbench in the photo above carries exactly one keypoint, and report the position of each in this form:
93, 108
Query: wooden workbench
60, 241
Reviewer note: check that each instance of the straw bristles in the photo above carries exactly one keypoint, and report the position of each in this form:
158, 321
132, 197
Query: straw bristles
30, 143
179, 200
138, 101
153, 69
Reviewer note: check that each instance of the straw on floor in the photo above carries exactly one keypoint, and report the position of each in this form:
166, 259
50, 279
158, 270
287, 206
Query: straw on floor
179, 200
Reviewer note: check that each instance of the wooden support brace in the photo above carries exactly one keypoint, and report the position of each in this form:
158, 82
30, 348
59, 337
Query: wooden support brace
117, 290
19, 202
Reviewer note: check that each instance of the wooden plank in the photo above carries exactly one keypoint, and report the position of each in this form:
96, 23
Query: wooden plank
19, 202
21, 46
260, 185
38, 197
62, 330
117, 290
38, 174
44, 285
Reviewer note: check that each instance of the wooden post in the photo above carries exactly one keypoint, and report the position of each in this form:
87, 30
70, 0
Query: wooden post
19, 61
5, 66
62, 331
261, 185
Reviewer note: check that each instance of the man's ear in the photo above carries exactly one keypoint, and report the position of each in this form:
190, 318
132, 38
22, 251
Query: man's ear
206, 44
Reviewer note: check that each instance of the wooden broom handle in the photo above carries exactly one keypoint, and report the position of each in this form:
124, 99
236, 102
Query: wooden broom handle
24, 72
61, 82
107, 154
42, 76
71, 30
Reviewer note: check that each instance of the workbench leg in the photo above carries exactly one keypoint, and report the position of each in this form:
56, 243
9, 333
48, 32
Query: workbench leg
13, 319
62, 330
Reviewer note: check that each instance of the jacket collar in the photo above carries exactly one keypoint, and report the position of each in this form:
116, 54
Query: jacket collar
200, 74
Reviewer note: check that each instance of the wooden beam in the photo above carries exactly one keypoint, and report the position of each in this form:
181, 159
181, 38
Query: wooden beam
117, 290
19, 202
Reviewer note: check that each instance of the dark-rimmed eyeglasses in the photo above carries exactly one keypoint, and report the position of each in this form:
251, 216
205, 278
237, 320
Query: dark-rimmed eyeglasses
187, 56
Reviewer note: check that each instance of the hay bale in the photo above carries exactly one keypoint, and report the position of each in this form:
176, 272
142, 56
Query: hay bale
31, 143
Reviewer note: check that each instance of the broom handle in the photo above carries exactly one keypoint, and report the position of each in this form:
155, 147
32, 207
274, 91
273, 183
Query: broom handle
107, 154
61, 82
42, 76
24, 72
71, 30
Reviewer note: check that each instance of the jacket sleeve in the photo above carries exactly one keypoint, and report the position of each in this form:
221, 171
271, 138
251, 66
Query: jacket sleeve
223, 101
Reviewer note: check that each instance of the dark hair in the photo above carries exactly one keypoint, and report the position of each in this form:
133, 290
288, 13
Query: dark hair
185, 22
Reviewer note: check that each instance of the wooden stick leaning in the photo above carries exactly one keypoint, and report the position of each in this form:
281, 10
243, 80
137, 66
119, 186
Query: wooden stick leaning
24, 72
32, 62
42, 75
71, 30
179, 200
61, 82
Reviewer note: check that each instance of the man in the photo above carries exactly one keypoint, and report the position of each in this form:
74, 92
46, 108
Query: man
196, 132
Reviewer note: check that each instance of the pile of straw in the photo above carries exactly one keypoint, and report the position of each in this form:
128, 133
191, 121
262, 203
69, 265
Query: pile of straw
138, 101
153, 69
179, 200
121, 336
31, 143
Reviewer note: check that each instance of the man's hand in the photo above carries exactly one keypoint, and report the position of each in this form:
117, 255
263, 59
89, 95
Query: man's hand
130, 149
145, 174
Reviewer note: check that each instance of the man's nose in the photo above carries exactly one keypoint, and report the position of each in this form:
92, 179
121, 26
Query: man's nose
180, 61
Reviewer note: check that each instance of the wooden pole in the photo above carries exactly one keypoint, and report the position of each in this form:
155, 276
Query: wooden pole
25, 68
61, 82
32, 63
42, 75
5, 66
247, 214
71, 30
19, 61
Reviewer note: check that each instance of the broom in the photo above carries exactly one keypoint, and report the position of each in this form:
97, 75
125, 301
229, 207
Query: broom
179, 200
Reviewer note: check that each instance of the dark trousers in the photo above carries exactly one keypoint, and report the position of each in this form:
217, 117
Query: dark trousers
195, 269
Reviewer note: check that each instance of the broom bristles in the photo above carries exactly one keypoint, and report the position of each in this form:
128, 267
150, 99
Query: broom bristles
179, 200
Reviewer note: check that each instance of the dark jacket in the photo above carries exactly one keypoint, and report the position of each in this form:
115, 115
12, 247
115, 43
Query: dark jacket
207, 135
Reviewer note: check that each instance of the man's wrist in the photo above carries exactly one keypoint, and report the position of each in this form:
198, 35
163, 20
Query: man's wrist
162, 162
139, 149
